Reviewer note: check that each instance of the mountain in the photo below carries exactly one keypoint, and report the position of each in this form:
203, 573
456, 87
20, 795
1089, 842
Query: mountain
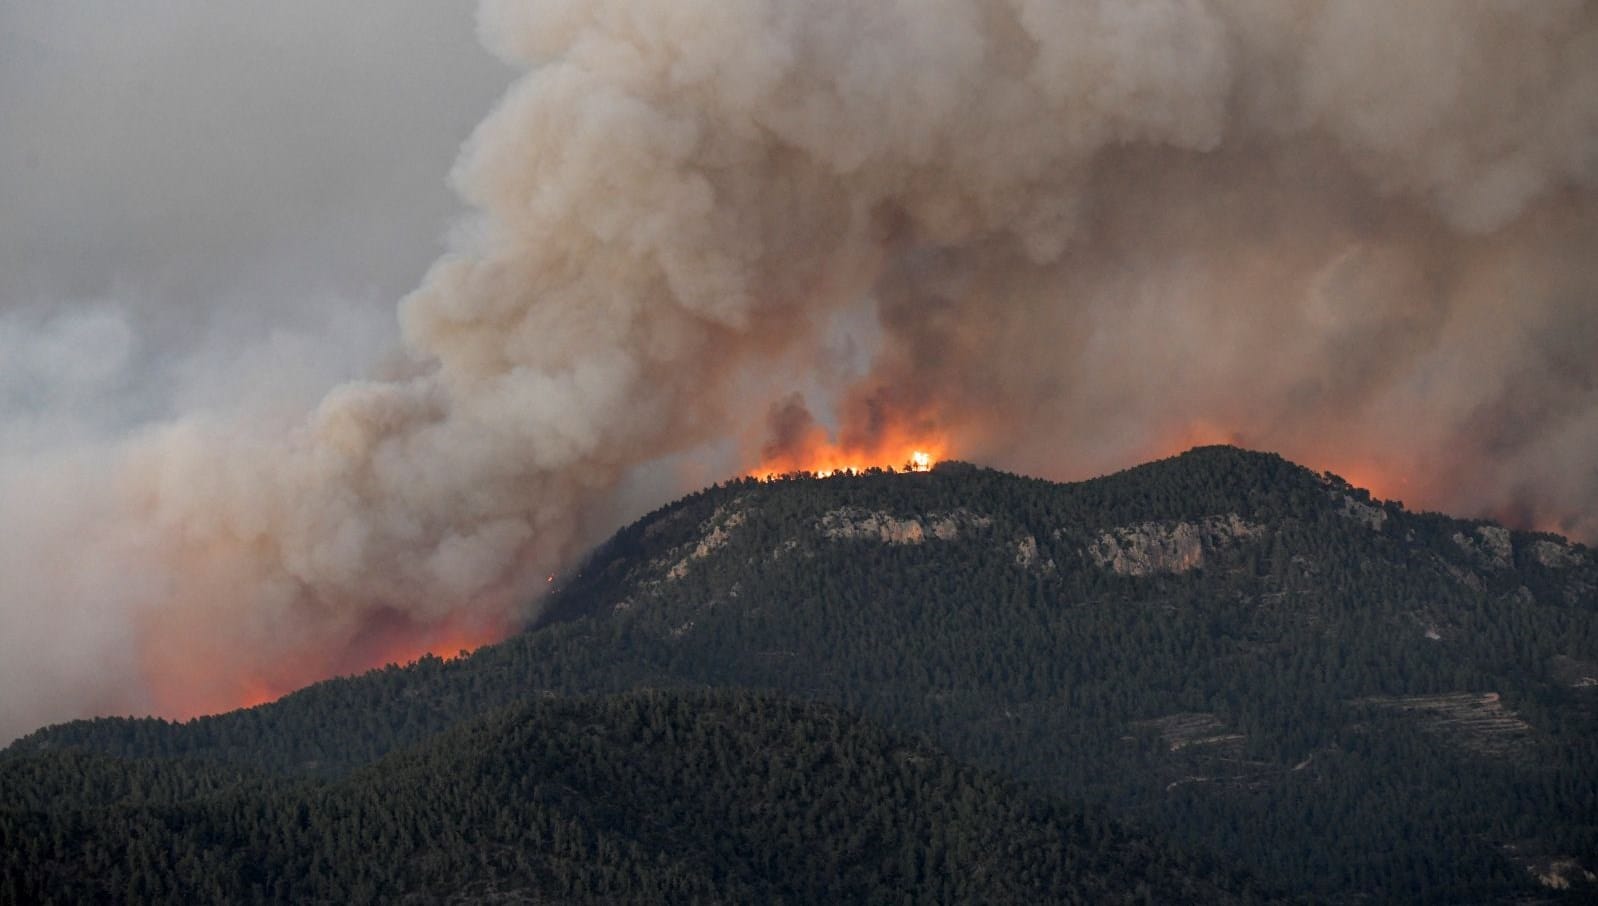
643, 797
1352, 700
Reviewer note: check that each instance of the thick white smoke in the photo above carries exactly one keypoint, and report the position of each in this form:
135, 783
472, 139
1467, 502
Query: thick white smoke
1357, 232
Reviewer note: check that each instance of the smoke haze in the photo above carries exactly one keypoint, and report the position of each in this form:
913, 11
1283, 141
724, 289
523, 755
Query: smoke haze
1061, 237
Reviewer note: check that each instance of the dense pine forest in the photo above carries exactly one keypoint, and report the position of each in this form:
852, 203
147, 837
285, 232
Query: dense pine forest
647, 797
1260, 666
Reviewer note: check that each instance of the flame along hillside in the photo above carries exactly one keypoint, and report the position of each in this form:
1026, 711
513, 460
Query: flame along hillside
811, 451
186, 684
829, 463
1251, 657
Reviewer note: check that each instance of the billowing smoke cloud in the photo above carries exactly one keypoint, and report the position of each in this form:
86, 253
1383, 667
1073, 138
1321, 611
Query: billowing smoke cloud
1089, 233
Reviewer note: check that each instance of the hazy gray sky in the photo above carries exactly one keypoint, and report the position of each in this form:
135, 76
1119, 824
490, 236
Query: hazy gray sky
228, 167
203, 204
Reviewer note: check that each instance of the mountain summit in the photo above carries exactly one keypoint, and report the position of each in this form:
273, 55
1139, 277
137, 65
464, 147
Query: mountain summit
1346, 698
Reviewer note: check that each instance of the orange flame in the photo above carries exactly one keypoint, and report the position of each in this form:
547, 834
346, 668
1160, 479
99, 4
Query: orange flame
185, 685
823, 458
877, 434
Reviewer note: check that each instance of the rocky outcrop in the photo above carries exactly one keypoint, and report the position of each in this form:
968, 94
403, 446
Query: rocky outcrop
850, 524
1030, 556
1489, 545
1167, 547
718, 531
1369, 513
1554, 555
1563, 873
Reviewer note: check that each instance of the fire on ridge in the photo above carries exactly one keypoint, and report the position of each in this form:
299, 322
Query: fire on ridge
829, 459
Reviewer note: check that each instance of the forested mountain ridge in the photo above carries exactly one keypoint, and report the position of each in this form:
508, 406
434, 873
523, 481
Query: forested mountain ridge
1224, 646
645, 797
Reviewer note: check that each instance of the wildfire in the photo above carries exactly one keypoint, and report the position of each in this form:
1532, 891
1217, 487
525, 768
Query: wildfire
827, 459
191, 687
875, 433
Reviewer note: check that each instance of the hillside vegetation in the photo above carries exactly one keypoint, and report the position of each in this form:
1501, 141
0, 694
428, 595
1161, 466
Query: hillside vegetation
648, 797
1348, 698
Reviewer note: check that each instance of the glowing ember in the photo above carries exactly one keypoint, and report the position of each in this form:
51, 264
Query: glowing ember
824, 460
875, 434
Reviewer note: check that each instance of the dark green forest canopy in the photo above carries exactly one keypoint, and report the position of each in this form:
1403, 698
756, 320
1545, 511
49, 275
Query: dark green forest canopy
645, 797
1247, 656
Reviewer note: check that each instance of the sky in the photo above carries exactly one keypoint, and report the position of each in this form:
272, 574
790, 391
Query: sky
222, 180
203, 206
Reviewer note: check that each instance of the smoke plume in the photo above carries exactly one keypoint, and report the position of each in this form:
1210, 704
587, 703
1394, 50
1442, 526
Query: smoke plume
1069, 236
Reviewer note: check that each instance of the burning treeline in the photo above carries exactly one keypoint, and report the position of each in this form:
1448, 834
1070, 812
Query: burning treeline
796, 443
1081, 233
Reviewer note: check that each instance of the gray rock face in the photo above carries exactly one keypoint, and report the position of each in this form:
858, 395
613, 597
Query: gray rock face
856, 524
1555, 555
1026, 552
718, 531
1368, 513
1489, 545
1167, 547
